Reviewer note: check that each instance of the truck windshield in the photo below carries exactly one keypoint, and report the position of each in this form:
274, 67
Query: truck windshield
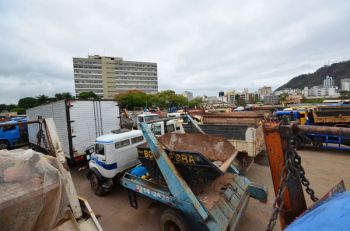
151, 117
99, 148
156, 129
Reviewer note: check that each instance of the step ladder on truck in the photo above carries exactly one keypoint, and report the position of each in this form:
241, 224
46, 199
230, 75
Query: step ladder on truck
200, 194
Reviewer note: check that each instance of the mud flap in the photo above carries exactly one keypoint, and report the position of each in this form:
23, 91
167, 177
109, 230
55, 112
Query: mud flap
258, 192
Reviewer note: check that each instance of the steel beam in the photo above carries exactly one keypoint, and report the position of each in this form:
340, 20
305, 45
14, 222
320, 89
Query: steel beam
294, 200
177, 185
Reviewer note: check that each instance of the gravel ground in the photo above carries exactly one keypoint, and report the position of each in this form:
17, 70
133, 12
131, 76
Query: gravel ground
323, 168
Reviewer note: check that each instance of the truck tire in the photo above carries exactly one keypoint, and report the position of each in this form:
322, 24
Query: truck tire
96, 185
172, 220
4, 144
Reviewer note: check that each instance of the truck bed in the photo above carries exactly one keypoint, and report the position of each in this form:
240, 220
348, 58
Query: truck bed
213, 192
232, 131
197, 157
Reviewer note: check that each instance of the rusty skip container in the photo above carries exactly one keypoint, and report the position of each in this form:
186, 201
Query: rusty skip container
199, 158
245, 138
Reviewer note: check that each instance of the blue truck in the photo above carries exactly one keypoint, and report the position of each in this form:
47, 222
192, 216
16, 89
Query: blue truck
323, 141
13, 132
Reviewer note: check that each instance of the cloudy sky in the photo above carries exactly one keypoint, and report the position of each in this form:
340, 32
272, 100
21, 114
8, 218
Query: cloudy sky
201, 46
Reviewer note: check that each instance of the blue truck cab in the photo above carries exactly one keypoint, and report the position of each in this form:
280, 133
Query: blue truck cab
293, 115
13, 134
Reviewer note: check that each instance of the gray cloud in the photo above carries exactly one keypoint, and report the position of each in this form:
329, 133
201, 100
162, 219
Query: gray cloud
202, 46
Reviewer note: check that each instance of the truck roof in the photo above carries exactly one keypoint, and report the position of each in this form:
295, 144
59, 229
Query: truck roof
144, 114
112, 137
10, 122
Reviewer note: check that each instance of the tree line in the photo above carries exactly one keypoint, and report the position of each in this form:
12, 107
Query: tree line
130, 100
29, 102
164, 99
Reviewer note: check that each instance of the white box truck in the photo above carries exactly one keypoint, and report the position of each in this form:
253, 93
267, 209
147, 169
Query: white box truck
78, 123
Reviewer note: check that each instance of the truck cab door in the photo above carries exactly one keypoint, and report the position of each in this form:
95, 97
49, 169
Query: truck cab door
157, 128
99, 153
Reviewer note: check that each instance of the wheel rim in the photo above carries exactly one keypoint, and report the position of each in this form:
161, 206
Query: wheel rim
3, 146
171, 226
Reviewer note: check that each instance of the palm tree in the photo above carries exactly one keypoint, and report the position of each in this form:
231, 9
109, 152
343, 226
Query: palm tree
42, 99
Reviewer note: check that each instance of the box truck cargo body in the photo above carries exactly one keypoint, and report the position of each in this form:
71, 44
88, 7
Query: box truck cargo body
78, 123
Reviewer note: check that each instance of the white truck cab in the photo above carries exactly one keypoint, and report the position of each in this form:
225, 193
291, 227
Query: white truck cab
159, 128
112, 154
116, 152
146, 117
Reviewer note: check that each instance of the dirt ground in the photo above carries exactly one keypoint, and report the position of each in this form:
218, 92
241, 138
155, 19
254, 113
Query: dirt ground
323, 168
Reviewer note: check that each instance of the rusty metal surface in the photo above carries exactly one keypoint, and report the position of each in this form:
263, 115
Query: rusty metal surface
251, 118
294, 200
336, 131
231, 131
215, 148
243, 114
193, 156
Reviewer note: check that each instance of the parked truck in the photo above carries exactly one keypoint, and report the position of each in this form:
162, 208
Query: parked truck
111, 155
242, 129
332, 116
193, 176
13, 133
78, 123
116, 152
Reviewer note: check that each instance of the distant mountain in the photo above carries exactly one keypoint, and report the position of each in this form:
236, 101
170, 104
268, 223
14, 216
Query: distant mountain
337, 70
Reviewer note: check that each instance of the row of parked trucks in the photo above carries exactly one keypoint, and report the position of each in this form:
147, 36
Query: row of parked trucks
177, 161
196, 190
332, 116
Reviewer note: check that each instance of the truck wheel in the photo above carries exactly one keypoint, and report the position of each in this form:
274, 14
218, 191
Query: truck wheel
96, 185
172, 220
4, 144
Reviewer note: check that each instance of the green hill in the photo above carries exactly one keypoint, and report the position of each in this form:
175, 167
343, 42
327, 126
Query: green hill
338, 71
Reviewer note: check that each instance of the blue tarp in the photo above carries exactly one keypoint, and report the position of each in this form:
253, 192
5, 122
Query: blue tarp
139, 171
332, 214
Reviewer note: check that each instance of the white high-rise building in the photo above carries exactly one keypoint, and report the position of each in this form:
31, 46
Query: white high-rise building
107, 76
188, 95
345, 84
328, 82
264, 91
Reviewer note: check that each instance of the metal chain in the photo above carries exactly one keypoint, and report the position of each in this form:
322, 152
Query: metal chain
303, 179
292, 167
41, 136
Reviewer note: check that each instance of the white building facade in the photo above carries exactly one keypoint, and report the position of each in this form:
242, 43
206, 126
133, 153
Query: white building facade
345, 84
107, 76
188, 95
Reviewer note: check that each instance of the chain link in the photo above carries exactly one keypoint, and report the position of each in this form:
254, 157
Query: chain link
303, 179
292, 167
41, 137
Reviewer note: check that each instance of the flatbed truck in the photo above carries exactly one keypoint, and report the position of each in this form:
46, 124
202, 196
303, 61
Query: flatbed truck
321, 116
